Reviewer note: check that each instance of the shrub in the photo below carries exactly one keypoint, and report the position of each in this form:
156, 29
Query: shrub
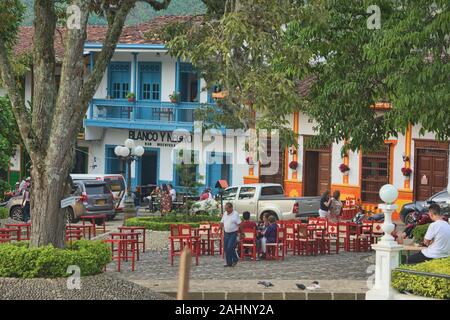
163, 223
419, 232
426, 286
17, 260
4, 214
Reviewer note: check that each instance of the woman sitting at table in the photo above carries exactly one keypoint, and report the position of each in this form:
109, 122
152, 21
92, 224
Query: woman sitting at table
260, 230
270, 234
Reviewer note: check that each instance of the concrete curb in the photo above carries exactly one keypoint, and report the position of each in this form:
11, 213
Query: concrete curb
207, 295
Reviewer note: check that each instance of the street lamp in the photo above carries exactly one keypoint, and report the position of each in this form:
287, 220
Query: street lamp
129, 153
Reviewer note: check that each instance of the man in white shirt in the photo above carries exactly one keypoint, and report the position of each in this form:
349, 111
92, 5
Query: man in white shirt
230, 226
437, 238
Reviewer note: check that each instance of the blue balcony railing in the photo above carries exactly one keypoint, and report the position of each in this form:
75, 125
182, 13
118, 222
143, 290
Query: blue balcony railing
121, 113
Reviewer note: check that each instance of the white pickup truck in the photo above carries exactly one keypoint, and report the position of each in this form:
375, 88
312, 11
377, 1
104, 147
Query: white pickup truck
262, 198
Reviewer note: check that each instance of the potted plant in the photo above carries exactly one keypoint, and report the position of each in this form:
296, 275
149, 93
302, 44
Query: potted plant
293, 165
344, 169
249, 161
131, 97
174, 97
406, 173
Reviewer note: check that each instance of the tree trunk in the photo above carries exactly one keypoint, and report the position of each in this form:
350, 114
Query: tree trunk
51, 184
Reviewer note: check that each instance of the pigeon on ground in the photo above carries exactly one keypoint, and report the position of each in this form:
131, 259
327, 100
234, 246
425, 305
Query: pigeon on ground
266, 284
313, 286
300, 286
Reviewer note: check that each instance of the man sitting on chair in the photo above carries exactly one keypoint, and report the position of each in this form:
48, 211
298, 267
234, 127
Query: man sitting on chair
437, 238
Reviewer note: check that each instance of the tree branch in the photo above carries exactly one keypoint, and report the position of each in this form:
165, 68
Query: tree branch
44, 93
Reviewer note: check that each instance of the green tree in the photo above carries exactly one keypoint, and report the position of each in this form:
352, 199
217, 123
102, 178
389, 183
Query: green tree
9, 139
50, 126
236, 46
187, 172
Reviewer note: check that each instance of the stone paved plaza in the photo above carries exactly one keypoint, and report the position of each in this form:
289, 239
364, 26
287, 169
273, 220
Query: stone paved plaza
345, 265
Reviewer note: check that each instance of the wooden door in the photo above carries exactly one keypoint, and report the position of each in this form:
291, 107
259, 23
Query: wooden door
431, 168
277, 162
316, 170
324, 178
375, 173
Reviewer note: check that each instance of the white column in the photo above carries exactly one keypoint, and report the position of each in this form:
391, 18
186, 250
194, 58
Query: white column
387, 249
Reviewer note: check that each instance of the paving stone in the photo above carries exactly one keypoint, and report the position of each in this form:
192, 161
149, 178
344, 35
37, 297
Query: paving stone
273, 296
360, 296
295, 295
195, 296
344, 296
244, 296
319, 296
214, 295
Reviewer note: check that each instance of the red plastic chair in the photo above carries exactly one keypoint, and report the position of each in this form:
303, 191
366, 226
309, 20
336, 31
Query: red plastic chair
204, 233
273, 250
181, 236
216, 237
307, 243
126, 249
332, 236
248, 242
291, 237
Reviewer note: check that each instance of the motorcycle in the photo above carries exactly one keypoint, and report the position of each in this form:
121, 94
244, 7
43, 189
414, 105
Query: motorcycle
367, 215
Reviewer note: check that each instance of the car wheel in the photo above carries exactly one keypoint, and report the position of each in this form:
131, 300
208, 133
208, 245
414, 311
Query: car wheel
16, 213
70, 216
409, 218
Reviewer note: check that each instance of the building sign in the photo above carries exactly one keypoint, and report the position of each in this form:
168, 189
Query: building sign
15, 161
160, 138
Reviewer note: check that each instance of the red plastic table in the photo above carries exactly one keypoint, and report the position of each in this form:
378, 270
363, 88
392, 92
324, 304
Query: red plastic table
82, 228
122, 250
92, 218
140, 230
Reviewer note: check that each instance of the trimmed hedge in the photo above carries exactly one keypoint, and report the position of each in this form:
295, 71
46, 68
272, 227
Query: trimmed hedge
425, 286
163, 223
17, 260
419, 232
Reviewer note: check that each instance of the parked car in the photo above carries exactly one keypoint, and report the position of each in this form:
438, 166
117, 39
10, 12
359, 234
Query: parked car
408, 209
116, 183
92, 198
262, 198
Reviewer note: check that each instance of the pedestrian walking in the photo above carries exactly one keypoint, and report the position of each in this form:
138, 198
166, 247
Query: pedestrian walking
166, 200
230, 226
26, 203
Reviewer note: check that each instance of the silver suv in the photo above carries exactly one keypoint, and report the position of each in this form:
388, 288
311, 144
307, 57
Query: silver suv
93, 198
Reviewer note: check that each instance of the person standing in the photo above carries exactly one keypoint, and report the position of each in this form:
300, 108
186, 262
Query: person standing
26, 203
173, 192
230, 226
325, 202
166, 200
335, 206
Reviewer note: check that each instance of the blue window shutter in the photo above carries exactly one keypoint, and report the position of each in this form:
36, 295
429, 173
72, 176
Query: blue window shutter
150, 81
119, 79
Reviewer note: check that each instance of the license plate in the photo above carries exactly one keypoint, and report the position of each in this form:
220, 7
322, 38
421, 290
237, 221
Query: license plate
100, 202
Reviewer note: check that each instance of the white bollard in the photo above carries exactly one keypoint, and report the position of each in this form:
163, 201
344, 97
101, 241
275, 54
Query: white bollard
387, 249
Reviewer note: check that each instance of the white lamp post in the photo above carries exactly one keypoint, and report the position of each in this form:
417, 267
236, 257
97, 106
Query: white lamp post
387, 249
129, 153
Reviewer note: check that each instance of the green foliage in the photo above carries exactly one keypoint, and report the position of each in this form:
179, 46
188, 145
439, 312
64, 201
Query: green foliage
11, 15
186, 170
9, 138
4, 213
163, 223
238, 49
140, 14
426, 286
419, 232
17, 260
